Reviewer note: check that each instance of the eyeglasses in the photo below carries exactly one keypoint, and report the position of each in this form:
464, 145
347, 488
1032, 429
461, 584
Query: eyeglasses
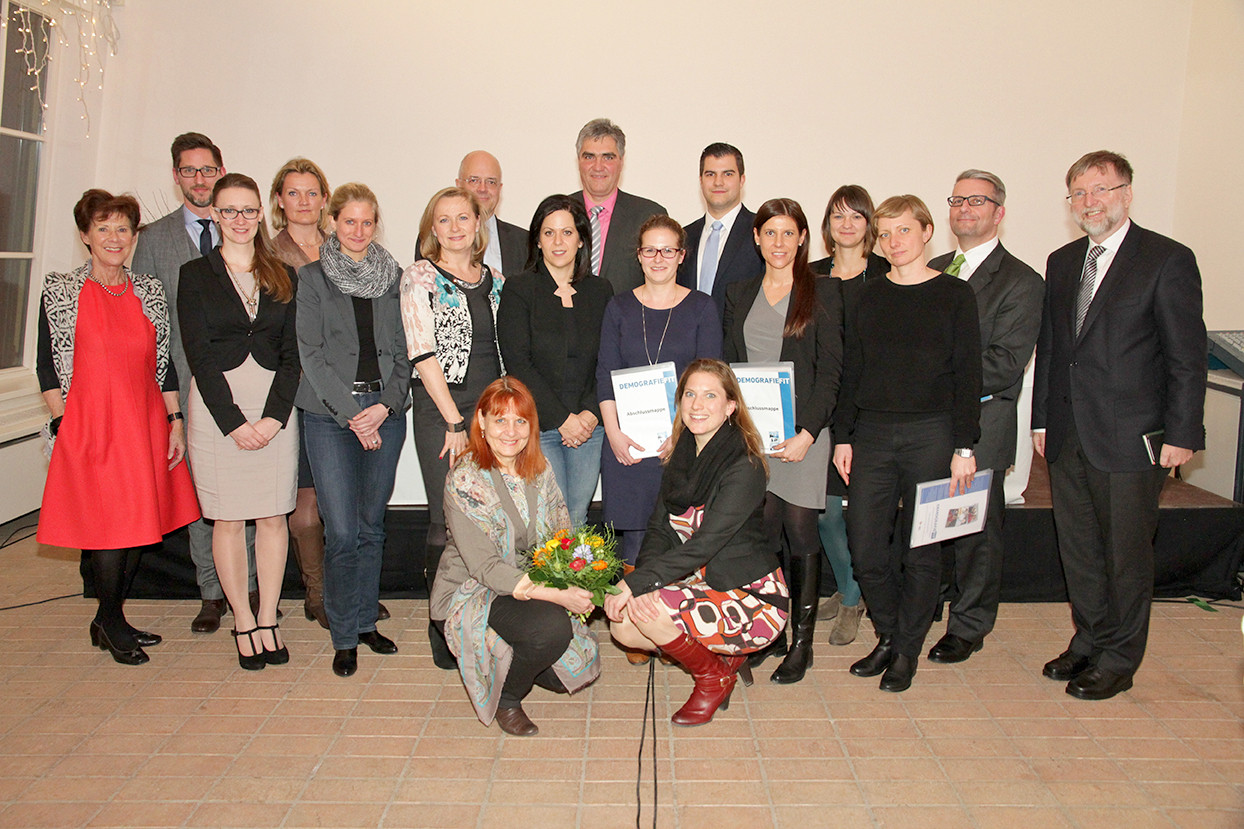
975, 201
490, 183
248, 213
666, 253
1098, 192
191, 172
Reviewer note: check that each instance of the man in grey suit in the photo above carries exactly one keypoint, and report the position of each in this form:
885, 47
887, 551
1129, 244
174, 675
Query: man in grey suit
1008, 298
480, 172
615, 216
163, 247
728, 252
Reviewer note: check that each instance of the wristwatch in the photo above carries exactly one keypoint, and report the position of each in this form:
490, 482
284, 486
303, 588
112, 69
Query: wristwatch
965, 453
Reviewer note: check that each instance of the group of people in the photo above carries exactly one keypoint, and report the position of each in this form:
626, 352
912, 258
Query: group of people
505, 341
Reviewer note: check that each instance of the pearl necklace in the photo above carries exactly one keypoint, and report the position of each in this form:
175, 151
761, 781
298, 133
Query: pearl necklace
124, 287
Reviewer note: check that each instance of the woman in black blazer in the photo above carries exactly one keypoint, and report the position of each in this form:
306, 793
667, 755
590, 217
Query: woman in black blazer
548, 327
236, 311
707, 588
850, 238
788, 314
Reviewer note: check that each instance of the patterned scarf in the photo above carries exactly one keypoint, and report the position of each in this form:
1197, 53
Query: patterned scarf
368, 279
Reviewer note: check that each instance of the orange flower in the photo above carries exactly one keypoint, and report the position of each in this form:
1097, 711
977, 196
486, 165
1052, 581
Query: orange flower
600, 565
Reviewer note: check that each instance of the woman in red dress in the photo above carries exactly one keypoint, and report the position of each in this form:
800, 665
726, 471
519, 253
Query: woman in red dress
116, 482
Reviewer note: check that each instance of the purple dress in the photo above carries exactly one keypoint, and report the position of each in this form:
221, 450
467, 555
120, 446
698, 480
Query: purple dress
630, 492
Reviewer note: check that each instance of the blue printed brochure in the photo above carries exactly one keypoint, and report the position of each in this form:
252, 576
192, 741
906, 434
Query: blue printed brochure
646, 407
769, 392
937, 515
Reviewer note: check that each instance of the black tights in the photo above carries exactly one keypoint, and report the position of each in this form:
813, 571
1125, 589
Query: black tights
113, 572
799, 523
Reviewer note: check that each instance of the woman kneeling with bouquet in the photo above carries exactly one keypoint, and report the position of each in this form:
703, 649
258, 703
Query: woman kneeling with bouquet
507, 632
707, 588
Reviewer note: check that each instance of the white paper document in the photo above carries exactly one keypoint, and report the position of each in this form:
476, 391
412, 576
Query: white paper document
769, 392
938, 515
646, 407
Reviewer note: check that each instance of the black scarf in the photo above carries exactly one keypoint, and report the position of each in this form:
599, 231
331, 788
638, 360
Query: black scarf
692, 478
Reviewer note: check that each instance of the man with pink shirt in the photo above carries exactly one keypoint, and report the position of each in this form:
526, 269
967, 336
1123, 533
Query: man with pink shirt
615, 216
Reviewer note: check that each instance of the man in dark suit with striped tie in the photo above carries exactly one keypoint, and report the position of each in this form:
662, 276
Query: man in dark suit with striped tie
1118, 402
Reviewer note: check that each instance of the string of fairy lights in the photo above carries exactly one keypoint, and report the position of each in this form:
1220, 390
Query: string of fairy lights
87, 25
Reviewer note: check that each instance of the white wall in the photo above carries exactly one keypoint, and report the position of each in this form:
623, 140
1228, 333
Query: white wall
898, 97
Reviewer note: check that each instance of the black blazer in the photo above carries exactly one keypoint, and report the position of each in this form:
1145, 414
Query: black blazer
1008, 300
1139, 362
535, 332
740, 258
217, 336
730, 543
817, 355
619, 263
513, 241
877, 266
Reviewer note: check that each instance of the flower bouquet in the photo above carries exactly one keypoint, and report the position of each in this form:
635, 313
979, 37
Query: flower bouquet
584, 557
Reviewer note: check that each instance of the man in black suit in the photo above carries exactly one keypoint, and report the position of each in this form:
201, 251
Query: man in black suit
616, 216
1119, 400
480, 172
1008, 299
729, 252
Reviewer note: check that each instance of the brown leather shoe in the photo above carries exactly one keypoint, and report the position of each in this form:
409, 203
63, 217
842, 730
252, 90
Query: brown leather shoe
515, 721
208, 620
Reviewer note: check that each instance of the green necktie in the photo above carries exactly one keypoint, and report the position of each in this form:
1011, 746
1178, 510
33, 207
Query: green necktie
955, 265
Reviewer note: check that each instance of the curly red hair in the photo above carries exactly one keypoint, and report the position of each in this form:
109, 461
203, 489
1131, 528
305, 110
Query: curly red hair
507, 394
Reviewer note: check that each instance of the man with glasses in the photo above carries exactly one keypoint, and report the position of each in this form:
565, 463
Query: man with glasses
480, 172
162, 248
727, 252
1008, 300
1119, 400
615, 216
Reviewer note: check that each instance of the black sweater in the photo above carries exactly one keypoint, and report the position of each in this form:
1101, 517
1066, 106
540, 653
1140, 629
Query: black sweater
912, 351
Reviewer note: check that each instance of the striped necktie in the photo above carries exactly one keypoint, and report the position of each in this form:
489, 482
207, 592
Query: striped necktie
598, 249
1088, 280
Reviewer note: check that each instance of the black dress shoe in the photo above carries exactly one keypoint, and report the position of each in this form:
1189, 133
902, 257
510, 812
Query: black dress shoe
877, 661
515, 721
950, 649
1099, 684
208, 620
99, 638
775, 648
382, 612
346, 662
378, 642
145, 639
897, 677
1066, 667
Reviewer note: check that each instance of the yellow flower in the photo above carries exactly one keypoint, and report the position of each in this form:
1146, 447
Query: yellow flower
552, 545
596, 541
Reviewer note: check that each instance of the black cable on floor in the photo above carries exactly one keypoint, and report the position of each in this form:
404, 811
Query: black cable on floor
11, 540
42, 601
650, 703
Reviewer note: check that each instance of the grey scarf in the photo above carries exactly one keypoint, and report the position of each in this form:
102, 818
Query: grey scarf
368, 279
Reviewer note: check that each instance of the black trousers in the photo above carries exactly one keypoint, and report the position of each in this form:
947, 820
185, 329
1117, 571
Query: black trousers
539, 633
900, 583
978, 571
1105, 523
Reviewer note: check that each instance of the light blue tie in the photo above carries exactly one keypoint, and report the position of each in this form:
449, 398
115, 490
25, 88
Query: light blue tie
708, 267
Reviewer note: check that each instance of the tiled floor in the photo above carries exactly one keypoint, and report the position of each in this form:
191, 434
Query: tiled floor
191, 740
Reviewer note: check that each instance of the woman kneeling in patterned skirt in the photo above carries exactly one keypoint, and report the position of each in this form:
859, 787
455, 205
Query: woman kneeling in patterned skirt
707, 588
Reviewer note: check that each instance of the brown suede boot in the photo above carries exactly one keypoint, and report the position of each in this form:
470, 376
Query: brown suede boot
309, 553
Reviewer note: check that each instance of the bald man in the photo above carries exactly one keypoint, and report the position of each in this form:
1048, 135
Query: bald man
480, 172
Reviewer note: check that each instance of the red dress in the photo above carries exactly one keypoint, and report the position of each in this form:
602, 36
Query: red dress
109, 485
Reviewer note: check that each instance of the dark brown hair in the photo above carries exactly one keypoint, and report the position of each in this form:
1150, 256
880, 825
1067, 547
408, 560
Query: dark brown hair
803, 287
98, 204
852, 197
271, 274
194, 141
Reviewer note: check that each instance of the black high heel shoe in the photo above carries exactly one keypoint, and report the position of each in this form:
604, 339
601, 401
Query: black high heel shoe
99, 639
145, 639
257, 659
279, 656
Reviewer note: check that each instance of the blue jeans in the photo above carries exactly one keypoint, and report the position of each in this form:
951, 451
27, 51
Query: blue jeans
353, 486
577, 469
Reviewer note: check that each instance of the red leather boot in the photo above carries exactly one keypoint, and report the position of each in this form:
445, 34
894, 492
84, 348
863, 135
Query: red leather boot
714, 680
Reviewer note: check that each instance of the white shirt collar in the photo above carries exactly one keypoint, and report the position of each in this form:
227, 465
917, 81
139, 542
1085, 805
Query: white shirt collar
973, 258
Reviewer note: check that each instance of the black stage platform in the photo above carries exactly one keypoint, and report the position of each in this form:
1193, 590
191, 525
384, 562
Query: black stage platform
1199, 550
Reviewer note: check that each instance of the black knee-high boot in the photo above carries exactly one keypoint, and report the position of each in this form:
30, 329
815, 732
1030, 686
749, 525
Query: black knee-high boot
442, 656
804, 581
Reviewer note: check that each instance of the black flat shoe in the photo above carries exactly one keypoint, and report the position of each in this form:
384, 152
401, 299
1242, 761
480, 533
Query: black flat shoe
144, 638
877, 661
256, 661
951, 649
897, 677
99, 638
378, 642
442, 656
1067, 666
1098, 684
280, 656
382, 612
346, 662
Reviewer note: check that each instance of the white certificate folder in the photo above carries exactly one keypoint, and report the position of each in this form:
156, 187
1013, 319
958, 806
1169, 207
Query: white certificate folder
939, 516
646, 406
769, 392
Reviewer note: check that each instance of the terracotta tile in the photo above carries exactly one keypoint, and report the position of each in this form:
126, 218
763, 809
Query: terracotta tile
993, 768
1005, 793
787, 767
142, 814
1112, 818
334, 814
1207, 795
714, 817
1207, 818
431, 815
802, 817
909, 793
72, 789
241, 814
36, 815
919, 817
1100, 793
1018, 817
